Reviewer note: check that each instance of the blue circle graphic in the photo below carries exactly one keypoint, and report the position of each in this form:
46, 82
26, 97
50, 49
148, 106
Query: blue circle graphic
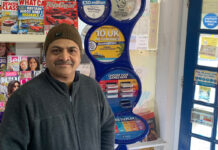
210, 20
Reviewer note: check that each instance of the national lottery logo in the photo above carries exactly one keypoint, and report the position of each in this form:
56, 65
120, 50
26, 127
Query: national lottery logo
92, 45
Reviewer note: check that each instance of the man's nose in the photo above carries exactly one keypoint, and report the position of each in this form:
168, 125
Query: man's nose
65, 55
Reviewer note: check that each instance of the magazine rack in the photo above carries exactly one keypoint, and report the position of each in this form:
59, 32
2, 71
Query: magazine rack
107, 45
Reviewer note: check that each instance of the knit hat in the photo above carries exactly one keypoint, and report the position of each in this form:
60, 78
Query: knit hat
63, 31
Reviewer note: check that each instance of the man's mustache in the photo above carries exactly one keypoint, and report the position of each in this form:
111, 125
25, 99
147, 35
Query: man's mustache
62, 62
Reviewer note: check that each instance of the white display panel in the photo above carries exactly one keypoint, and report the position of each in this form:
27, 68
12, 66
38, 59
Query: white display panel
205, 94
209, 15
198, 144
208, 50
202, 120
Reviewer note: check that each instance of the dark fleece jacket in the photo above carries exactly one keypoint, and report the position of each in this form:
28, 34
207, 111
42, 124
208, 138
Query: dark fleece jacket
44, 115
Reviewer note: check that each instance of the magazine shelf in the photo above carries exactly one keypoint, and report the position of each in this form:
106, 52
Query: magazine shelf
22, 38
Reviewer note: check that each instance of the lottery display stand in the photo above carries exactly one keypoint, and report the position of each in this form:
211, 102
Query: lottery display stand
94, 11
107, 45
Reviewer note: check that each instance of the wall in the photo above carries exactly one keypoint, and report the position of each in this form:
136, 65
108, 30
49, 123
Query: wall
172, 34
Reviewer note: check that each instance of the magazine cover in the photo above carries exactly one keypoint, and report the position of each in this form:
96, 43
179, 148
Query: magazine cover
25, 76
3, 99
23, 63
8, 76
13, 63
17, 63
7, 82
150, 118
9, 17
31, 16
11, 48
0, 16
3, 63
33, 64
57, 12
7, 49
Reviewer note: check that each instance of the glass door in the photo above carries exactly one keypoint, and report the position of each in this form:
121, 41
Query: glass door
198, 127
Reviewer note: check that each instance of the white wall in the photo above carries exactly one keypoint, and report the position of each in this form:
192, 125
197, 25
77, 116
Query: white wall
172, 35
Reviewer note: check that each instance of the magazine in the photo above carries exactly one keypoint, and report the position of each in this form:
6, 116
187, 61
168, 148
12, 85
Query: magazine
17, 63
57, 12
31, 16
11, 48
25, 76
3, 63
150, 118
13, 63
8, 76
3, 99
0, 16
9, 17
23, 63
33, 64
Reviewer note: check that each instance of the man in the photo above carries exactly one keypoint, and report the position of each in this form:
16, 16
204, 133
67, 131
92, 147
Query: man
60, 109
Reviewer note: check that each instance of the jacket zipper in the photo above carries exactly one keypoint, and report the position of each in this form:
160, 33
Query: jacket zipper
75, 124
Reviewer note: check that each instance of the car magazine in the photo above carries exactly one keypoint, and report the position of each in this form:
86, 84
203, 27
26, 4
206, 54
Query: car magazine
9, 17
31, 16
57, 12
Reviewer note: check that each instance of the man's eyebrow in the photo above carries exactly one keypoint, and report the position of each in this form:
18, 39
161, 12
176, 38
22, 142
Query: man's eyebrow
56, 46
73, 47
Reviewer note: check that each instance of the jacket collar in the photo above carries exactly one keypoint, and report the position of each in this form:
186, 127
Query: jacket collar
62, 87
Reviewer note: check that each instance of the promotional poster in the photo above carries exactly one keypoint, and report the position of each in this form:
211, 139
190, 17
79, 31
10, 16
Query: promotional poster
106, 43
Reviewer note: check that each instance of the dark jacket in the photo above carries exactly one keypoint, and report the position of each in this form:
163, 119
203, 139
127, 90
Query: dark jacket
45, 115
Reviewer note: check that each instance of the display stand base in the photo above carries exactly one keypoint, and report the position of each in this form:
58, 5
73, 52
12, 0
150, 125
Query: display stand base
121, 147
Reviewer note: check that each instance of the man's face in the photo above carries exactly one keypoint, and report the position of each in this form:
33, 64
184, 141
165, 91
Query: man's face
62, 59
